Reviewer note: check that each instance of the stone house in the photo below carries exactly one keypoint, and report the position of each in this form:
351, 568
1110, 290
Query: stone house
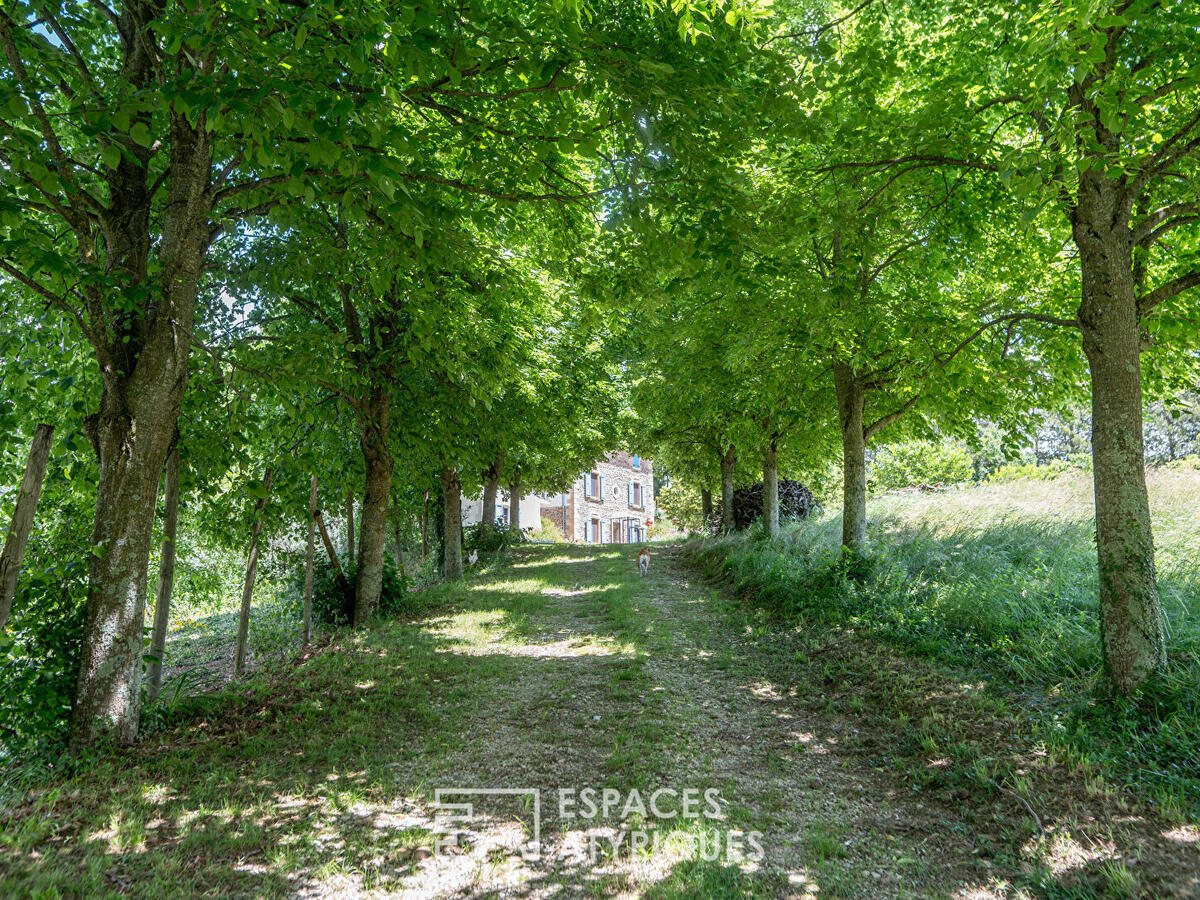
611, 503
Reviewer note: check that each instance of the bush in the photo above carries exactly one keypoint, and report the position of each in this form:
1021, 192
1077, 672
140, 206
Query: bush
661, 530
334, 606
546, 531
795, 502
491, 540
1031, 471
681, 501
920, 462
39, 657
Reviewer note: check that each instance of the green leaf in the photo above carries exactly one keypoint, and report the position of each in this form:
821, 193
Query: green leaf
140, 134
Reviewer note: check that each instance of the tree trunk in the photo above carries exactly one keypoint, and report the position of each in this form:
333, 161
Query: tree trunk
239, 656
22, 519
514, 503
166, 573
452, 542
132, 435
328, 544
309, 552
850, 400
425, 526
349, 528
771, 489
377, 457
706, 507
143, 361
491, 486
439, 529
728, 461
397, 537
1131, 619
343, 582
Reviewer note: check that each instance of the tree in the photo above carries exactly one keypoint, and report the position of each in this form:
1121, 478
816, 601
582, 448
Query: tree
131, 140
1093, 116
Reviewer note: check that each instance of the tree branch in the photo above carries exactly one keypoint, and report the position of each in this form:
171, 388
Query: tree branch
1148, 229
1165, 292
884, 421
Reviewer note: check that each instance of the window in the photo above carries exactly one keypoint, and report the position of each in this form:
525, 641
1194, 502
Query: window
592, 487
592, 531
635, 494
636, 461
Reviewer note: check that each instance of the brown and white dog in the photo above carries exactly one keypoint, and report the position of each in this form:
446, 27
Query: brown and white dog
644, 561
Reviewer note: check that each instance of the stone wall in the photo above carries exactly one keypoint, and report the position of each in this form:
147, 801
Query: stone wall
554, 513
613, 510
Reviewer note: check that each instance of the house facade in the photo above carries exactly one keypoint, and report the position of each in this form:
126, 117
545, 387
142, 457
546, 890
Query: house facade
531, 505
611, 503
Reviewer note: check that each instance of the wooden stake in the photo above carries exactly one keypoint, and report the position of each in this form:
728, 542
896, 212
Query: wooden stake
22, 520
308, 559
239, 657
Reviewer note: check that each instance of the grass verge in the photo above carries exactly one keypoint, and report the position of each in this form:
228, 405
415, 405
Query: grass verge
1000, 580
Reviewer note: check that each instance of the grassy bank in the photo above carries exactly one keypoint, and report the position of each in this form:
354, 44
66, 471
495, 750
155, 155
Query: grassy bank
1000, 579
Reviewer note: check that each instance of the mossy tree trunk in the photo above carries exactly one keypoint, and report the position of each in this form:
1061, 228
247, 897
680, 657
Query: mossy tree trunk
243, 632
514, 502
349, 527
309, 553
377, 459
1131, 618
771, 488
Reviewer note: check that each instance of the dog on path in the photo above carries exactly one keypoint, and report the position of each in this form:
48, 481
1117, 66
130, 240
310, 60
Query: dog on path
644, 561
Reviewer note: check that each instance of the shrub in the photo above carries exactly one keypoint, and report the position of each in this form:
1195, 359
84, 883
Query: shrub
1022, 471
334, 606
39, 656
680, 500
1184, 464
491, 540
795, 502
920, 462
661, 530
546, 531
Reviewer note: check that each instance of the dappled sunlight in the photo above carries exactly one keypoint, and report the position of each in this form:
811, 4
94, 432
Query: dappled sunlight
623, 682
557, 649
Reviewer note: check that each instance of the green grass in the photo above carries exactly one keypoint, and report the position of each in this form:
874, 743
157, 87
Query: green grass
273, 781
1000, 579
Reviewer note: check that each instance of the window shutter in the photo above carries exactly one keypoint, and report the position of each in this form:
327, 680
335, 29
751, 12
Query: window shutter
602, 482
